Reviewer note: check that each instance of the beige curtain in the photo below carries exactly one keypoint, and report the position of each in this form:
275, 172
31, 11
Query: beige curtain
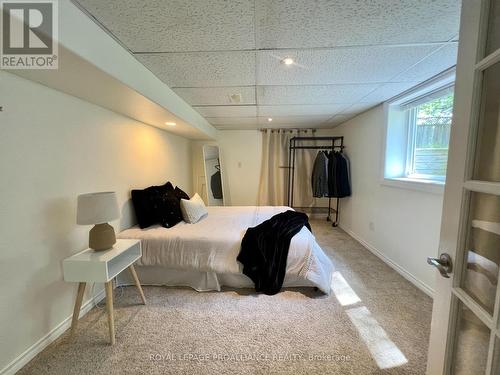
274, 171
273, 187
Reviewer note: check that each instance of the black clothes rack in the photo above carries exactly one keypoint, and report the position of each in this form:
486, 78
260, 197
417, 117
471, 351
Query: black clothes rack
326, 143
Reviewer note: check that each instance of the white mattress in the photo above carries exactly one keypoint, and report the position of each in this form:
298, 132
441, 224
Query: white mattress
210, 247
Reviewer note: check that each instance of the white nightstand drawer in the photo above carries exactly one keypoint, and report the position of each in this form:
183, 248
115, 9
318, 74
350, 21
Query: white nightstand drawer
101, 266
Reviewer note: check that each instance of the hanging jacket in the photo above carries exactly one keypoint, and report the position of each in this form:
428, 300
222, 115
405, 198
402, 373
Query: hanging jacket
338, 176
344, 187
348, 163
319, 177
332, 179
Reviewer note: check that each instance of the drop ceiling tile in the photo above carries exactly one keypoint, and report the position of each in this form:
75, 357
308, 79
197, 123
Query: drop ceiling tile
327, 23
260, 122
336, 120
217, 95
293, 121
440, 60
374, 64
228, 121
227, 111
387, 91
300, 110
358, 108
238, 127
315, 94
202, 69
166, 26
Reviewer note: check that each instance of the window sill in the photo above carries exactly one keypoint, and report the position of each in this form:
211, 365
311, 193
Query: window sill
426, 186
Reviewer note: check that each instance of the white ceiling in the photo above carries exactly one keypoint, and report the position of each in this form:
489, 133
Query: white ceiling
349, 55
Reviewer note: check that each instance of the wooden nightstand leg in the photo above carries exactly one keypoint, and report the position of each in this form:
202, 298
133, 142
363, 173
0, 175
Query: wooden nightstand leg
137, 283
78, 306
109, 308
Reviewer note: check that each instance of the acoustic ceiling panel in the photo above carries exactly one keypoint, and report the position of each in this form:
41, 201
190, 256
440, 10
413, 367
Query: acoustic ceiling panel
439, 61
293, 121
203, 69
227, 111
338, 119
225, 57
316, 94
177, 25
358, 108
328, 23
387, 91
374, 64
300, 110
261, 122
218, 95
233, 121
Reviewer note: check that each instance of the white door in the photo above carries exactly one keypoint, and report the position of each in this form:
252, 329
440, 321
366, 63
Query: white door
465, 335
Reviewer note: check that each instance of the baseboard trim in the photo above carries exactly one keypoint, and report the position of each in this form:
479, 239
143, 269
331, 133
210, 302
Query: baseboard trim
50, 337
407, 275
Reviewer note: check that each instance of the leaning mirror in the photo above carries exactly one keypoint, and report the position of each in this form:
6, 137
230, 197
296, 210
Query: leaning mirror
214, 185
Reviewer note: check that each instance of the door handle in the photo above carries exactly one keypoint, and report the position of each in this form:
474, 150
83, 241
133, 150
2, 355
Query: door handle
443, 264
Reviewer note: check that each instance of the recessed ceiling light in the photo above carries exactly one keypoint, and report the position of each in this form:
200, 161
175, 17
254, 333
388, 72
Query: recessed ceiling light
170, 123
269, 119
287, 61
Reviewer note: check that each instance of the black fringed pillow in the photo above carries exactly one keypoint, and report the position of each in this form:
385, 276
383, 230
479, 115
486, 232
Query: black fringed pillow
148, 204
180, 194
158, 205
169, 209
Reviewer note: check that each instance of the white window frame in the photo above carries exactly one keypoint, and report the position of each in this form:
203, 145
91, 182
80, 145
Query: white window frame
411, 124
398, 148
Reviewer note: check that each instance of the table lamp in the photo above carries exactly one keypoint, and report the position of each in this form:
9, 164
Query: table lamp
98, 209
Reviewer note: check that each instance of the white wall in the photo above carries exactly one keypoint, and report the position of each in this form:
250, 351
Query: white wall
53, 147
401, 225
241, 152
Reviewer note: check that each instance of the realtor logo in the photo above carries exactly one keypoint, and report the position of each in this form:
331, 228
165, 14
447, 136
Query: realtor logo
29, 34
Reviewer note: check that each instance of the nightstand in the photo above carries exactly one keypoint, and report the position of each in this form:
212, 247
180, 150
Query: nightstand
101, 267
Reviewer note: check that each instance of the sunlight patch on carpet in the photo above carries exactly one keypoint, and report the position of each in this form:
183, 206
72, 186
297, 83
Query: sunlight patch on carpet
342, 290
382, 349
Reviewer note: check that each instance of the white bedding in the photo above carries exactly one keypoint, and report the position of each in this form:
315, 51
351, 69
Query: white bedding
212, 245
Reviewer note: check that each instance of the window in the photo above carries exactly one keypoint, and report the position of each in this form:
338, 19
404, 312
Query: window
429, 125
418, 133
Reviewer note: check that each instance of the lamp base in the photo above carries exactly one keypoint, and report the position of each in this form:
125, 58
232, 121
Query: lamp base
102, 237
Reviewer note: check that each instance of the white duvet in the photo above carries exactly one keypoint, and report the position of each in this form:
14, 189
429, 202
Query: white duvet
212, 245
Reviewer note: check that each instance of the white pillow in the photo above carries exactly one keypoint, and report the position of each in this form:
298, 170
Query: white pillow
194, 209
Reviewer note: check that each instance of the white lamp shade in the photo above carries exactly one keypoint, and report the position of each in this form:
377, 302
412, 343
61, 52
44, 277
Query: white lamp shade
97, 208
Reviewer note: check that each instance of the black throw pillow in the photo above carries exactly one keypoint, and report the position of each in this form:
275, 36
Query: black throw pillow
180, 194
169, 209
168, 186
145, 205
149, 204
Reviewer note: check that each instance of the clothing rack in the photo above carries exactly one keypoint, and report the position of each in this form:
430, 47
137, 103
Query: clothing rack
326, 143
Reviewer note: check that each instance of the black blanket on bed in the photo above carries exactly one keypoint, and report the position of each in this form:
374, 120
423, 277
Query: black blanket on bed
264, 250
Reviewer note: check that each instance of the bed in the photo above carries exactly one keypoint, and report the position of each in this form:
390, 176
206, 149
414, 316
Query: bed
203, 255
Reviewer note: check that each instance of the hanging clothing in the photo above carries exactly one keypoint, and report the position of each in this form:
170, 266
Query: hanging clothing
348, 162
338, 176
319, 177
332, 184
216, 185
344, 186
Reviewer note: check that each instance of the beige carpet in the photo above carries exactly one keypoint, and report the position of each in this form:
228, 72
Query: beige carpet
375, 323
